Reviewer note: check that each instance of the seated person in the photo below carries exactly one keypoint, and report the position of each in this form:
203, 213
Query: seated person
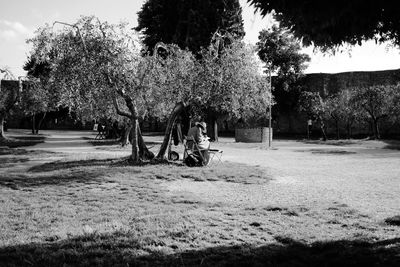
198, 133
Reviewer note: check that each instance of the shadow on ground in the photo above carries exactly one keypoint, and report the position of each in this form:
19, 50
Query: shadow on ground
63, 165
112, 142
123, 249
329, 142
392, 144
20, 141
22, 181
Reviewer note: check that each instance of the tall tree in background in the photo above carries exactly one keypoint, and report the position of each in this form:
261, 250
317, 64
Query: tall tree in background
189, 23
328, 24
281, 52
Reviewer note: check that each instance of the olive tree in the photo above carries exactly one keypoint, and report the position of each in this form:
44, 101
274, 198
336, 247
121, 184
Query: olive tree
312, 104
232, 84
99, 69
376, 103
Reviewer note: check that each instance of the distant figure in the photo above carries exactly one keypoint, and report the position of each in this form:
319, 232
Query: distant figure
5, 126
198, 132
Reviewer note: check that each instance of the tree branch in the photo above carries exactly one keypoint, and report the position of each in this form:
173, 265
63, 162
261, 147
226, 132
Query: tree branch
119, 111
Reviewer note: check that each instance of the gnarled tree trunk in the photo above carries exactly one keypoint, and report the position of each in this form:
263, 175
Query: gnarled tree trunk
135, 144
178, 109
125, 138
144, 152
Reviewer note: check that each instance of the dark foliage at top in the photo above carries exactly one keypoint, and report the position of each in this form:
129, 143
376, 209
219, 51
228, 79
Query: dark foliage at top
328, 24
189, 24
37, 69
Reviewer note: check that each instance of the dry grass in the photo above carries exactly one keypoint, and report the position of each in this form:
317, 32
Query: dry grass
103, 212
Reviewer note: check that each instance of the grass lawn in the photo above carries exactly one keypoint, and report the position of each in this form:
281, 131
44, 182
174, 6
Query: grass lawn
62, 210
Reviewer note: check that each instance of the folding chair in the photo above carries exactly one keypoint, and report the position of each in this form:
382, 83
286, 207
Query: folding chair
101, 133
206, 155
215, 156
192, 148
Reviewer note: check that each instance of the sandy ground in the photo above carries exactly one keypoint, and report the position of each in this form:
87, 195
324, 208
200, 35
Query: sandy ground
363, 175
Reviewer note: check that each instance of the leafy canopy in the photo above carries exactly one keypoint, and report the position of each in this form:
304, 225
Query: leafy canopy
328, 24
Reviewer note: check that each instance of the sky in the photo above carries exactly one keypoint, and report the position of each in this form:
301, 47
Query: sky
20, 18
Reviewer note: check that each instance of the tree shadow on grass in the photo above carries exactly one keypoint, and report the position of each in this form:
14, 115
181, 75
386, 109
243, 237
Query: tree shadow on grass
124, 249
114, 142
392, 144
7, 161
20, 141
26, 180
329, 142
63, 165
20, 151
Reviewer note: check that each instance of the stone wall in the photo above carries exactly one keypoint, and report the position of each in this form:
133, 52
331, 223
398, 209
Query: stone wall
331, 83
290, 122
252, 135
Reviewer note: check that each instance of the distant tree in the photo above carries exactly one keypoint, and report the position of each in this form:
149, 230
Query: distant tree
312, 104
9, 96
281, 52
377, 102
334, 109
330, 24
341, 108
189, 24
37, 97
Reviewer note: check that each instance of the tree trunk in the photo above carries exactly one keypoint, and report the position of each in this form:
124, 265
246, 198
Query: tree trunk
144, 152
375, 126
348, 130
179, 107
215, 130
33, 123
337, 130
125, 137
2, 135
135, 146
40, 122
324, 137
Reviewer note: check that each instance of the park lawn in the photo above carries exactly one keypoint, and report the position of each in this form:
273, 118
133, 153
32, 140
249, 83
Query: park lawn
104, 212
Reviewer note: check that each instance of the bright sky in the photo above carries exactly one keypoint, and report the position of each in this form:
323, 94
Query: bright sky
20, 18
